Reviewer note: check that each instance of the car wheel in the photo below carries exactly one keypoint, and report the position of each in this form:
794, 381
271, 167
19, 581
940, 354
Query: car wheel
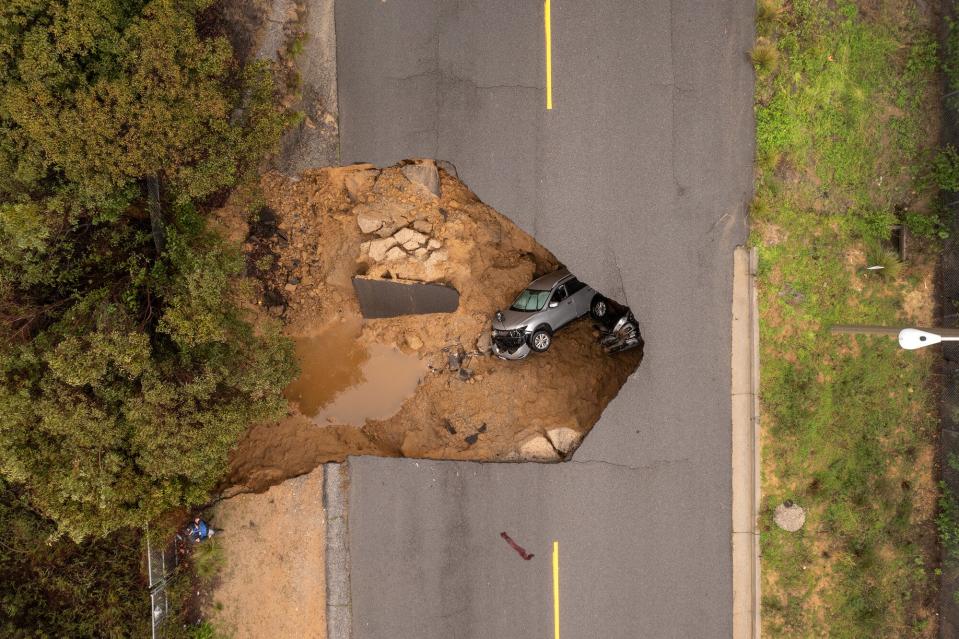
599, 307
540, 340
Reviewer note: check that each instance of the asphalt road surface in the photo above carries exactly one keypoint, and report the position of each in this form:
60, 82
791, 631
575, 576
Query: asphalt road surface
638, 180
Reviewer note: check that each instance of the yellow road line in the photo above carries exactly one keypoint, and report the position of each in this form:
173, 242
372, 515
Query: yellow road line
549, 69
555, 568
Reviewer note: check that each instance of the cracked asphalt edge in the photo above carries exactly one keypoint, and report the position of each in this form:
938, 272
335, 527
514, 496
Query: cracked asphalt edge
745, 446
339, 610
315, 141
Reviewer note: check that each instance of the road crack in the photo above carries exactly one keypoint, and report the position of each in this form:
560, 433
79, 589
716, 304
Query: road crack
656, 465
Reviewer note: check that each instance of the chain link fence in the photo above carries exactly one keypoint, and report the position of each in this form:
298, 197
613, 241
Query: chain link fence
161, 564
949, 317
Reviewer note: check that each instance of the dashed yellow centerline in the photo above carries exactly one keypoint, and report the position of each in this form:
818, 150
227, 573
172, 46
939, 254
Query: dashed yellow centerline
549, 75
555, 567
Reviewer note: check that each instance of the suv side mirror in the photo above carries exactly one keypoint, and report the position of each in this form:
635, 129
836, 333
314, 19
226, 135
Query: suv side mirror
553, 304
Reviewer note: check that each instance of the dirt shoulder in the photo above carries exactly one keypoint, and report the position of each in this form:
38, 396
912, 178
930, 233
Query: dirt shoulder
273, 583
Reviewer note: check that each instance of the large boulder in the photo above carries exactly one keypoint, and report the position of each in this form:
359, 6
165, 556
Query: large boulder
395, 253
565, 440
368, 221
379, 248
384, 218
407, 236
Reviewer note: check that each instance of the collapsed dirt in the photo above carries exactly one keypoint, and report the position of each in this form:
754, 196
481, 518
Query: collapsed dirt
408, 223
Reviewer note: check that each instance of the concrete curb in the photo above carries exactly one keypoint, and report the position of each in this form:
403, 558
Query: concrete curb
339, 611
745, 446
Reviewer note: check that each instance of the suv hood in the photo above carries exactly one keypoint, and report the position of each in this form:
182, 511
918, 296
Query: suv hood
511, 319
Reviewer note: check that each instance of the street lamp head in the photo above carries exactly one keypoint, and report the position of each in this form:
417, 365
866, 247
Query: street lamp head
913, 338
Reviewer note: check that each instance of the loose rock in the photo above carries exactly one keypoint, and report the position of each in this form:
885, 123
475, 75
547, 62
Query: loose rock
414, 342
368, 221
357, 182
424, 174
484, 343
379, 249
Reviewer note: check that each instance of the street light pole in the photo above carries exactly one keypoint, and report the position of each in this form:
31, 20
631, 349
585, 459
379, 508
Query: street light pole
909, 338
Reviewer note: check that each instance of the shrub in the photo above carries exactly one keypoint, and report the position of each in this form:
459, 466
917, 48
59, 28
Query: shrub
876, 224
925, 225
950, 56
945, 169
764, 55
768, 13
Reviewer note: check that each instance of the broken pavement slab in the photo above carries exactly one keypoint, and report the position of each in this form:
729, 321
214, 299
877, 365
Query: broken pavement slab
381, 298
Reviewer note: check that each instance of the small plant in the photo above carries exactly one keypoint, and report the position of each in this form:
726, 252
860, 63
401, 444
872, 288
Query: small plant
205, 630
925, 225
207, 559
885, 259
296, 47
764, 55
264, 264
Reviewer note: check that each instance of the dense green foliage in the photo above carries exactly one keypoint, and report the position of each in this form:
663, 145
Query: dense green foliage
64, 589
845, 140
127, 370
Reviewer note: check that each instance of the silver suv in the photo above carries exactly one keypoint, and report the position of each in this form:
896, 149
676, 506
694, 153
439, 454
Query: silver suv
547, 304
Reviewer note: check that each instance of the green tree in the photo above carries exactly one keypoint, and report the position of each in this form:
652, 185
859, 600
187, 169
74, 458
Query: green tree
127, 369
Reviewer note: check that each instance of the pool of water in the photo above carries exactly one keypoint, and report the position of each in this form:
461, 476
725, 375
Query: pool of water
342, 381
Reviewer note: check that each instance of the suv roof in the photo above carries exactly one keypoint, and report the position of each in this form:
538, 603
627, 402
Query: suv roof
548, 281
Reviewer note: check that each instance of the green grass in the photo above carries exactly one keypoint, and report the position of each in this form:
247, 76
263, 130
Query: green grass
848, 422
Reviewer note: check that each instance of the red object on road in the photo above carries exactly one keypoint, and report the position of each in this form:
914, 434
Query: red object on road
515, 546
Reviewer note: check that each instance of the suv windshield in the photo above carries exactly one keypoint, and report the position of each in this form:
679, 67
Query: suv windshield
530, 300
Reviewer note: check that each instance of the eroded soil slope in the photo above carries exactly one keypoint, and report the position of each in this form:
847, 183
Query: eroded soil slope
316, 232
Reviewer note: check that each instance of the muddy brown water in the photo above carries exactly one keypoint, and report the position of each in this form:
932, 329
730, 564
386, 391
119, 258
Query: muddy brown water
346, 382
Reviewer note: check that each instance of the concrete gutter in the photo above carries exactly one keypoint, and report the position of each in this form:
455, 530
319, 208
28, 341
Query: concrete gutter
339, 612
745, 446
